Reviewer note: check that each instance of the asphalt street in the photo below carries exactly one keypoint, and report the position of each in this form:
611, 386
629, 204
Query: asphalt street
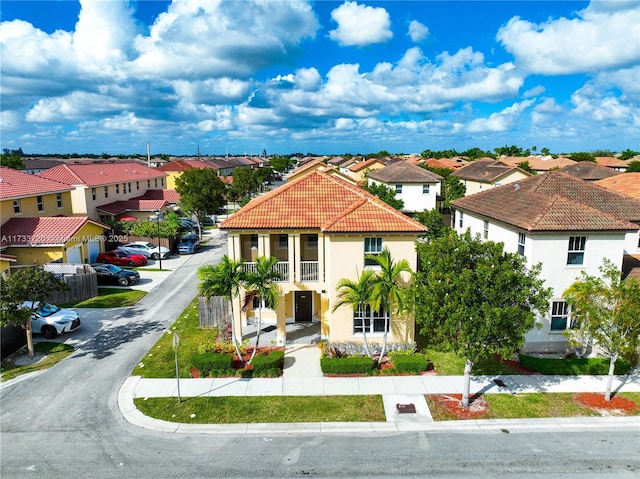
64, 422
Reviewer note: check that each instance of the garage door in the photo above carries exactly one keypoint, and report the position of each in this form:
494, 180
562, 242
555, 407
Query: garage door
74, 254
94, 249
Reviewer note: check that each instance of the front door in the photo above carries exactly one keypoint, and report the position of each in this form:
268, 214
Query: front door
304, 306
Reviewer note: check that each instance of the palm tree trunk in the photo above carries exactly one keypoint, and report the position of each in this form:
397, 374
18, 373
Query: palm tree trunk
364, 332
234, 339
466, 384
384, 338
255, 349
612, 366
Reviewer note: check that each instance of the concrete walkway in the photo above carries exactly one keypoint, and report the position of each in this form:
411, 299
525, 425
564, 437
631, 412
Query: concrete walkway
302, 377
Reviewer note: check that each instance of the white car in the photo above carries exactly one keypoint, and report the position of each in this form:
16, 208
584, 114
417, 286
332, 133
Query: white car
146, 249
50, 320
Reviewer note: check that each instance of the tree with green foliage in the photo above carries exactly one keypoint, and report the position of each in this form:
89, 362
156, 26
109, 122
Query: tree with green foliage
545, 151
476, 153
280, 163
388, 289
34, 285
224, 279
606, 311
525, 166
261, 281
582, 156
244, 183
512, 150
386, 194
633, 167
263, 174
628, 154
444, 172
168, 227
473, 298
452, 189
201, 191
11, 160
357, 295
433, 220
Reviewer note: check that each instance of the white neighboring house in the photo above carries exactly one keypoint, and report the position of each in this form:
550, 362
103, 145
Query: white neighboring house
416, 187
567, 224
487, 173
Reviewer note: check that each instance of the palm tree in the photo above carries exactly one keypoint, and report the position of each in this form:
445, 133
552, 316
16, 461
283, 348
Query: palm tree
388, 291
223, 279
356, 294
262, 281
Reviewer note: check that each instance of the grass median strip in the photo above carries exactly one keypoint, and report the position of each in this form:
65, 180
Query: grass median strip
264, 409
47, 355
109, 298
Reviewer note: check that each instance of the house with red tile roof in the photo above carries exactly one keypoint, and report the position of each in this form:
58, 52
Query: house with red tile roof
539, 164
99, 184
358, 171
487, 173
612, 163
627, 184
175, 168
321, 228
566, 224
417, 187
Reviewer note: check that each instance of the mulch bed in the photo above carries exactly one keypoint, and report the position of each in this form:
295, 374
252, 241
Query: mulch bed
596, 402
451, 402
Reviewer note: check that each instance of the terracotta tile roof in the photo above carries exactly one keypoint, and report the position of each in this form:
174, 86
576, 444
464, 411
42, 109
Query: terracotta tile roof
309, 166
320, 201
432, 162
415, 160
51, 230
627, 184
361, 165
555, 201
184, 165
101, 173
484, 170
589, 171
538, 163
611, 162
134, 204
403, 172
170, 196
16, 184
631, 266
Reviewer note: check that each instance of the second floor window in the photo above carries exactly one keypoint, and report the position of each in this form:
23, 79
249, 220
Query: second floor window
283, 241
521, 239
40, 203
576, 249
425, 189
128, 187
59, 199
155, 182
117, 188
16, 207
137, 185
461, 219
486, 229
148, 183
398, 189
93, 194
372, 246
106, 192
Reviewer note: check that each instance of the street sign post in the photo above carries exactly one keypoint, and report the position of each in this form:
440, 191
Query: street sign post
176, 341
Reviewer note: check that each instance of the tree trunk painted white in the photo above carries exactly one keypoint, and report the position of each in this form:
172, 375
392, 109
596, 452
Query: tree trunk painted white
234, 338
255, 349
466, 384
612, 365
384, 338
29, 333
364, 332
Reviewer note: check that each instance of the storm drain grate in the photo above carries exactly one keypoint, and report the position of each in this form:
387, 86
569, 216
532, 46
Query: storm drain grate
406, 408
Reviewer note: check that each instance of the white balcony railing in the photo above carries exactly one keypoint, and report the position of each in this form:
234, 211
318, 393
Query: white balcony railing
281, 267
309, 271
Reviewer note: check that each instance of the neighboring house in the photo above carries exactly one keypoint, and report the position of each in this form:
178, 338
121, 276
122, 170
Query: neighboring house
309, 167
359, 170
64, 239
539, 164
567, 224
25, 195
100, 184
417, 187
174, 169
227, 164
37, 165
589, 171
5, 263
627, 184
321, 228
487, 173
612, 163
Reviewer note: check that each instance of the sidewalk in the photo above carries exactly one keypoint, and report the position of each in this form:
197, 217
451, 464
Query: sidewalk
302, 377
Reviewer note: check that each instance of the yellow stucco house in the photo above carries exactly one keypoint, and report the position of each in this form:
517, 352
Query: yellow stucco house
175, 168
321, 228
487, 173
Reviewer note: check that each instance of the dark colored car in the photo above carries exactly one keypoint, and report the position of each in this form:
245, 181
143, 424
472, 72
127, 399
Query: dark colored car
120, 258
111, 274
189, 244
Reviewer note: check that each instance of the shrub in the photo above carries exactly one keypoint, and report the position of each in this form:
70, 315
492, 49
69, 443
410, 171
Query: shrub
355, 348
272, 361
351, 365
573, 366
216, 364
409, 364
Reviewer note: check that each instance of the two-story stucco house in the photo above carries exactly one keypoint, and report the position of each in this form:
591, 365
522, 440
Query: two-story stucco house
417, 187
567, 224
175, 168
37, 223
321, 228
100, 184
487, 173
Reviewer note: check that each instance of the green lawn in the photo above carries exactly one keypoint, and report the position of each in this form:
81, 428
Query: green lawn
55, 352
449, 364
109, 298
238, 410
159, 361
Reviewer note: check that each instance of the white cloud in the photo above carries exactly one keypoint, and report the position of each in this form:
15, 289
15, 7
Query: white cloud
417, 31
360, 25
535, 91
600, 37
499, 121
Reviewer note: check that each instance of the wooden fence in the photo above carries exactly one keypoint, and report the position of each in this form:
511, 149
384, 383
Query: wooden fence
80, 278
214, 312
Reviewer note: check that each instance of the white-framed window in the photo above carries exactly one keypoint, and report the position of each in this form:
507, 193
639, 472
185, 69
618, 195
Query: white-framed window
521, 241
559, 315
460, 219
148, 183
372, 246
398, 189
425, 189
371, 321
93, 194
117, 188
106, 192
128, 187
17, 209
162, 182
283, 241
59, 200
155, 181
137, 185
485, 232
312, 241
576, 249
40, 203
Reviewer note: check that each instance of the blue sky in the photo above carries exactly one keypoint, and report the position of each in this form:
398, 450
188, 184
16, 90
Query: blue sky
318, 77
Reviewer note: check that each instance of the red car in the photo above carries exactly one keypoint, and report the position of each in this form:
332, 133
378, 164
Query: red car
121, 258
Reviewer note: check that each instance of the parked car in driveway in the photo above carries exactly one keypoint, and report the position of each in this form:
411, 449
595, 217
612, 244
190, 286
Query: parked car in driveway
149, 250
120, 258
111, 274
50, 320
189, 244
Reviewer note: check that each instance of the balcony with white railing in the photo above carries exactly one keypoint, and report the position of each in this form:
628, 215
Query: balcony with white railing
281, 267
309, 271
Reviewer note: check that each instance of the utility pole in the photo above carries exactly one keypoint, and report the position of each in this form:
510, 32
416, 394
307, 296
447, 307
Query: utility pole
148, 154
